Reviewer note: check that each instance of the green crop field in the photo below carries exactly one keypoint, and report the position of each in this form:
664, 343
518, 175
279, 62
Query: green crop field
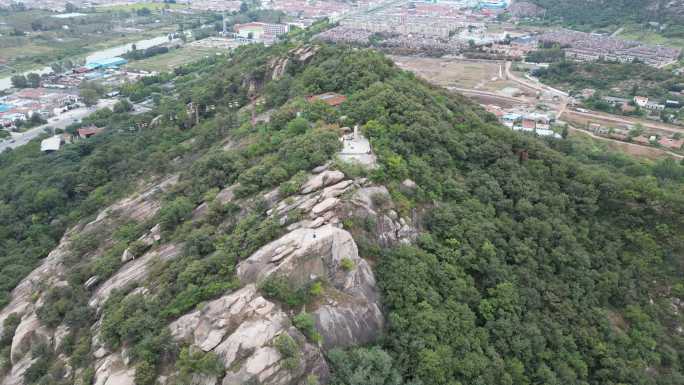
134, 7
636, 32
173, 59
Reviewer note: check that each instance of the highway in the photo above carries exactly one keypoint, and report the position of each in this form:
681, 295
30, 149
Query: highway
62, 121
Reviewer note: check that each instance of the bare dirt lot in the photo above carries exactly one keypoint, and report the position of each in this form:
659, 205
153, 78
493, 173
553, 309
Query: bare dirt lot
481, 75
449, 72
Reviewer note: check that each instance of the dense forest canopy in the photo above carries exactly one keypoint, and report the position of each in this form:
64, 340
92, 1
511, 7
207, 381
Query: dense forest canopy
618, 79
602, 13
562, 267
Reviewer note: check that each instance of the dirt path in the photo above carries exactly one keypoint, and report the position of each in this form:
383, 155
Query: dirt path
631, 148
628, 121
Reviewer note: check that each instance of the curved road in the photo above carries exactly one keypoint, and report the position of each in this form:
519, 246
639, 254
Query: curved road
493, 95
616, 119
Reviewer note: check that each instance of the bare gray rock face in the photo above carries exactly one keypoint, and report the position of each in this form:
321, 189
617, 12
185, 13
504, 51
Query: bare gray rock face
127, 256
326, 178
134, 271
206, 328
16, 374
307, 252
241, 328
279, 65
29, 333
50, 273
347, 325
112, 371
375, 202
224, 196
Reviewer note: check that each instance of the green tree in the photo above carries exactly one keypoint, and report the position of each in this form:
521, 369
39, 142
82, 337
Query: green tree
33, 80
363, 366
19, 81
89, 96
122, 106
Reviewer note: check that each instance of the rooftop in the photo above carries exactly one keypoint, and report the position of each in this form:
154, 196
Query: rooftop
329, 98
51, 144
109, 62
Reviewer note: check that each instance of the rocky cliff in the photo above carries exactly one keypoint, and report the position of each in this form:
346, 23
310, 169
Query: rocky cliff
241, 327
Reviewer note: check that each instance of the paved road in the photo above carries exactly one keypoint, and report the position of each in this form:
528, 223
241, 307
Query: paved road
532, 84
63, 120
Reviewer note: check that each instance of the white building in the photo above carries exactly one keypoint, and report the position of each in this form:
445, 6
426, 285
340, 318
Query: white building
51, 144
257, 31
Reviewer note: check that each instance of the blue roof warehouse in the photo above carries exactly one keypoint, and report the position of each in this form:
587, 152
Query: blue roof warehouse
113, 62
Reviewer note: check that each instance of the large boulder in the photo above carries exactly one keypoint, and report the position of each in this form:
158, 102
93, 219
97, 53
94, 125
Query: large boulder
112, 371
265, 365
375, 202
29, 333
206, 328
354, 317
16, 375
321, 180
300, 254
241, 328
135, 271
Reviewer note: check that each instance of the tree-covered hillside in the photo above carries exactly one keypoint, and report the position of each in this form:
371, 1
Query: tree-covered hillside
602, 13
538, 262
629, 78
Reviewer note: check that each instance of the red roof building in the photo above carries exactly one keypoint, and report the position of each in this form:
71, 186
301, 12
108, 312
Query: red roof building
31, 93
529, 123
87, 132
329, 98
675, 144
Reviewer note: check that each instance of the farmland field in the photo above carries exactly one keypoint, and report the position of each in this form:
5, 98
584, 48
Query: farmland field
172, 59
134, 7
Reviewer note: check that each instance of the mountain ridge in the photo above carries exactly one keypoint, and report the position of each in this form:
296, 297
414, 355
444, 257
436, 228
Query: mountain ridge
455, 257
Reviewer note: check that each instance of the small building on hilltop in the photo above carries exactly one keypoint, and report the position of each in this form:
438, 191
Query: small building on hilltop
640, 101
330, 98
87, 132
675, 144
51, 144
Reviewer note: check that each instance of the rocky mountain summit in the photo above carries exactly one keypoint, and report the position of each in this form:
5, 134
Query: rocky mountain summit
243, 326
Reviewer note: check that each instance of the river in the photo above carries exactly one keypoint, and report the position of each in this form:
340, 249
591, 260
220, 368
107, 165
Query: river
6, 83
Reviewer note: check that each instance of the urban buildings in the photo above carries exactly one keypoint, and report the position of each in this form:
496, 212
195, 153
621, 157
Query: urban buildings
582, 46
444, 27
264, 32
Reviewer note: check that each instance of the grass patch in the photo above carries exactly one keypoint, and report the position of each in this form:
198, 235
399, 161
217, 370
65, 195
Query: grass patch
638, 33
172, 59
137, 6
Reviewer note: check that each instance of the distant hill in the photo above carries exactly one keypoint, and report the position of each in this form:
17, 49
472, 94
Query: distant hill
600, 13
